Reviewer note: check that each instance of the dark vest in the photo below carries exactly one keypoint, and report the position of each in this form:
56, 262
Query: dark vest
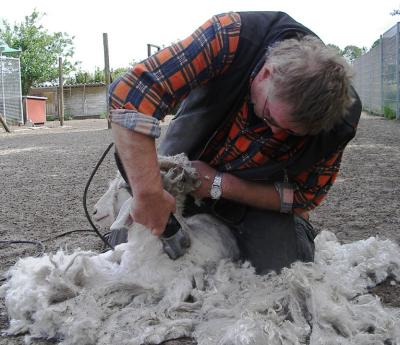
209, 107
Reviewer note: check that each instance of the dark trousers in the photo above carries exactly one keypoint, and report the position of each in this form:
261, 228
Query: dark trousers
272, 241
269, 240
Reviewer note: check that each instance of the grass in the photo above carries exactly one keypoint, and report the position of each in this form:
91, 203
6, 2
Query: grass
389, 113
55, 117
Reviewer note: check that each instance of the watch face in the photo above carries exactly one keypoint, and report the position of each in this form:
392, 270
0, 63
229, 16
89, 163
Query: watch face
215, 192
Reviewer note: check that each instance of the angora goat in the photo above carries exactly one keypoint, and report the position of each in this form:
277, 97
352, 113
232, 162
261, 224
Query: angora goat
137, 295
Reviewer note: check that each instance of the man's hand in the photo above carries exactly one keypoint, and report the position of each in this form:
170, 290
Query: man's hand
153, 211
206, 175
152, 205
260, 195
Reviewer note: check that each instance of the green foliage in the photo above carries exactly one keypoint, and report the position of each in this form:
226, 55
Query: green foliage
67, 117
389, 113
40, 50
51, 117
335, 47
98, 75
376, 43
80, 77
351, 52
85, 77
115, 73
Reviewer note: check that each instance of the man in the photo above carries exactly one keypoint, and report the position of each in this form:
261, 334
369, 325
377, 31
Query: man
266, 112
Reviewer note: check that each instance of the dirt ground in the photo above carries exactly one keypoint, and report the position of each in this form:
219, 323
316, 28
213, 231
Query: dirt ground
44, 171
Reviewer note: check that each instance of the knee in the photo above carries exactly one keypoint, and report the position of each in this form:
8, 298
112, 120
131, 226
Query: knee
305, 235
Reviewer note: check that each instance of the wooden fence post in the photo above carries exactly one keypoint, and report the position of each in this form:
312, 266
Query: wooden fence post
107, 76
60, 92
4, 123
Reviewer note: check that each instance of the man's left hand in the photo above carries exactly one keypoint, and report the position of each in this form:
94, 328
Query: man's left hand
206, 176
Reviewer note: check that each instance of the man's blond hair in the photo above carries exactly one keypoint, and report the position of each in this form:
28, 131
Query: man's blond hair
313, 79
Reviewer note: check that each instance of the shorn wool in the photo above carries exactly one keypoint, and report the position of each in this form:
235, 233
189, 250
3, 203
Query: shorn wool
137, 295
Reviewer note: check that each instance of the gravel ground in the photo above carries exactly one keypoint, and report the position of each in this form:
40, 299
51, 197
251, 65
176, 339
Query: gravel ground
44, 172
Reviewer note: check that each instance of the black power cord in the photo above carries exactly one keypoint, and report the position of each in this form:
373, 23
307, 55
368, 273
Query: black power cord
97, 232
40, 244
37, 243
84, 199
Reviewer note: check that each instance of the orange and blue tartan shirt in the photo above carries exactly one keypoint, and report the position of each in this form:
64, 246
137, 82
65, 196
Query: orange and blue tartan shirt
153, 88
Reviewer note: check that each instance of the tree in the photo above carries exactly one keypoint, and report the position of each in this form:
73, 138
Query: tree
85, 77
335, 47
39, 50
80, 77
376, 43
352, 52
117, 72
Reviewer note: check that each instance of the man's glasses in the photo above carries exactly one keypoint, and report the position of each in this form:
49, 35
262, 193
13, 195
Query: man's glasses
270, 121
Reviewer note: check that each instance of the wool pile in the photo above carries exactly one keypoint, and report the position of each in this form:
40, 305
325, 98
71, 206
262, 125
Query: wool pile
137, 295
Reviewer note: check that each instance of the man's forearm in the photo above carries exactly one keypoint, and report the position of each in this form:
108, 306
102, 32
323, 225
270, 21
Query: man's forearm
138, 155
250, 193
152, 205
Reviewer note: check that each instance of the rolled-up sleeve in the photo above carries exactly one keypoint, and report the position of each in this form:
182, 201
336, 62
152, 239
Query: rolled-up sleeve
152, 88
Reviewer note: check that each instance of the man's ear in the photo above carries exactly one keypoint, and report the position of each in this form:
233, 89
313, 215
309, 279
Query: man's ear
265, 72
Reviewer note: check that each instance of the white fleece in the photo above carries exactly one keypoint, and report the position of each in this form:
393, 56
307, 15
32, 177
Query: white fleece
137, 295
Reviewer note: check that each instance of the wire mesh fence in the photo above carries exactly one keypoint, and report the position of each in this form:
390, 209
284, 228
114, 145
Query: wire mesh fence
377, 76
10, 90
390, 71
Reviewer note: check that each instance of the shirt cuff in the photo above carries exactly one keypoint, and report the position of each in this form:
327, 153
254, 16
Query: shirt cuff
137, 122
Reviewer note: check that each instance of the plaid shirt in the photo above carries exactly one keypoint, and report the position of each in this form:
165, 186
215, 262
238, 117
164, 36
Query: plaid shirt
148, 92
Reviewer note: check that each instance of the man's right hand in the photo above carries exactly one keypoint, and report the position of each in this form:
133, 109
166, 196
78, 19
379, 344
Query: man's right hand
152, 205
153, 211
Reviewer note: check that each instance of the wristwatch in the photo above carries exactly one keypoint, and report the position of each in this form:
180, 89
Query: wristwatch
216, 188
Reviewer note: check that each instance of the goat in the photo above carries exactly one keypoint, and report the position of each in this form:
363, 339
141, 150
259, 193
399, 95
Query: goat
107, 207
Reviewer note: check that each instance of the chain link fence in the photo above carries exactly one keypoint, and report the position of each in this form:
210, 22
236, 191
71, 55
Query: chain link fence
10, 90
377, 76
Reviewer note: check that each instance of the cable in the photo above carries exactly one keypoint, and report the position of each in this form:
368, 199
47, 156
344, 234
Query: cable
38, 243
67, 233
85, 194
84, 200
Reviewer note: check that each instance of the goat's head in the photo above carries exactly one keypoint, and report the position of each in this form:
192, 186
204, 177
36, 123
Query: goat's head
107, 208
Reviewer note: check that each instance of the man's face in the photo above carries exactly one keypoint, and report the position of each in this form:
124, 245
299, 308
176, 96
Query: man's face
275, 113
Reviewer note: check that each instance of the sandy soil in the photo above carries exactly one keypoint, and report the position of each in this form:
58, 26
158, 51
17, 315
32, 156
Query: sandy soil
44, 172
